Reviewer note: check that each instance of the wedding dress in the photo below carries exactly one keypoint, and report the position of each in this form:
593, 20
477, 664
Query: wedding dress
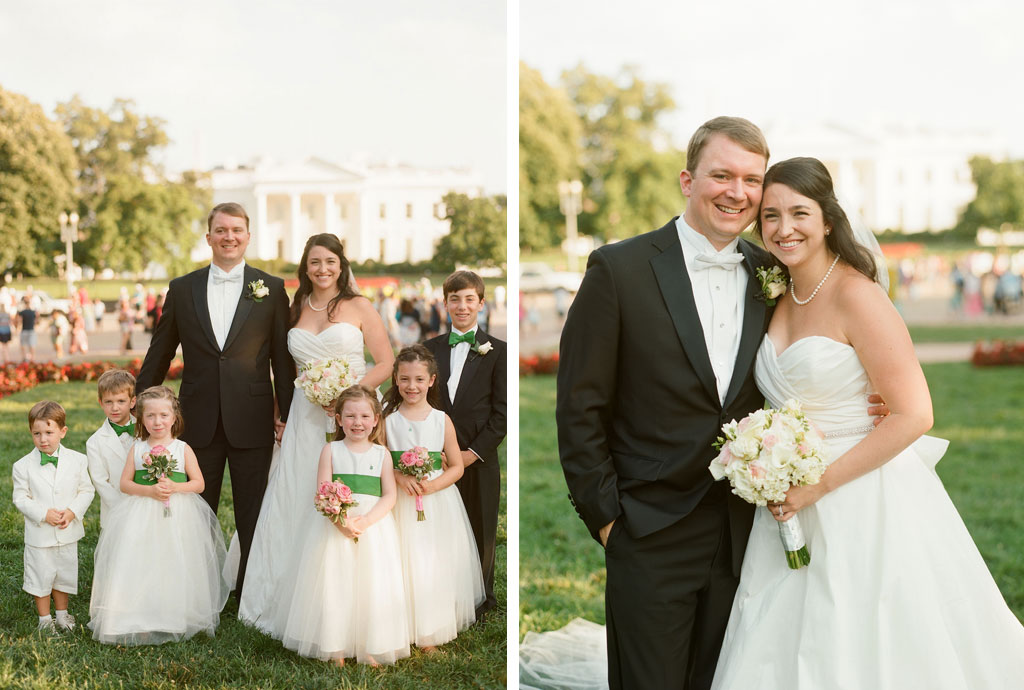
287, 510
896, 595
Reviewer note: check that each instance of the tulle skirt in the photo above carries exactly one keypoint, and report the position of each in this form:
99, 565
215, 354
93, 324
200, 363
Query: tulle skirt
348, 599
441, 565
896, 595
158, 579
572, 658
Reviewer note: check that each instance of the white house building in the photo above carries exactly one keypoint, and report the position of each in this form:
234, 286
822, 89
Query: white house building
382, 212
893, 177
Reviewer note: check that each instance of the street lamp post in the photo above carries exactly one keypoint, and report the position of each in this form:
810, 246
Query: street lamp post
570, 197
69, 233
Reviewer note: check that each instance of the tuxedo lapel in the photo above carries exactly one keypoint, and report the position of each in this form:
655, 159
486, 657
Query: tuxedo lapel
245, 302
200, 281
753, 323
677, 291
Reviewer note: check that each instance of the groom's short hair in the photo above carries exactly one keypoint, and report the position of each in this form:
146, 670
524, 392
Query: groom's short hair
743, 132
229, 208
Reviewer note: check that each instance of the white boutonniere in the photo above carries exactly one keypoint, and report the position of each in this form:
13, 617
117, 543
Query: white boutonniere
257, 290
484, 349
773, 284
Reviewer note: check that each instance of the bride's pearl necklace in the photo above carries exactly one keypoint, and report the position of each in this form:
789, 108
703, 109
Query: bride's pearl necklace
309, 301
792, 290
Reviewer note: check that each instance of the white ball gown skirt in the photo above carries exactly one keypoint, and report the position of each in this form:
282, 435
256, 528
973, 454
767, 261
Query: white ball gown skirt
158, 579
441, 565
348, 600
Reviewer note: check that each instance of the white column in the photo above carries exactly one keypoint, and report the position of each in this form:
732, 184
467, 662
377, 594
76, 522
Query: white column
330, 214
264, 242
296, 237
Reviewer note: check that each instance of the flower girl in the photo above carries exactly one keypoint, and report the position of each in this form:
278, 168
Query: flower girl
439, 556
348, 599
158, 562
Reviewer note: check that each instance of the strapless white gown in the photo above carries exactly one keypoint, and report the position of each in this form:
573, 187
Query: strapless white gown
287, 510
896, 595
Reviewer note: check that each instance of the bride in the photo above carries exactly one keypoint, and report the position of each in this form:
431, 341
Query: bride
896, 595
329, 320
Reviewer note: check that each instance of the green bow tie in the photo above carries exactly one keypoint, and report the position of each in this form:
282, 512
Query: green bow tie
45, 459
454, 339
126, 429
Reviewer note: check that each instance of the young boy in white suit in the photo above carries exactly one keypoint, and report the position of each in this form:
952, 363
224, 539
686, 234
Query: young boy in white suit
53, 491
107, 449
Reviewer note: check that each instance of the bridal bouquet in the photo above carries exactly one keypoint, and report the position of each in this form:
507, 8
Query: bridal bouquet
322, 381
158, 463
416, 463
333, 500
763, 455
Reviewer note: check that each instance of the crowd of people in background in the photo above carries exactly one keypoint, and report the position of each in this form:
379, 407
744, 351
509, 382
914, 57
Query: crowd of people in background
412, 313
977, 283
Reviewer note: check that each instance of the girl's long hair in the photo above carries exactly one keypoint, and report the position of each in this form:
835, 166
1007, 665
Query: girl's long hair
345, 291
359, 392
158, 393
413, 353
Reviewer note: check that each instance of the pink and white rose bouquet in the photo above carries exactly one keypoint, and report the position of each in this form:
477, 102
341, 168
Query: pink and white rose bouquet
766, 453
158, 463
333, 500
416, 463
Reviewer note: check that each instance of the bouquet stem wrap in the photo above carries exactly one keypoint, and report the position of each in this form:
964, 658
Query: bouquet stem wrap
793, 542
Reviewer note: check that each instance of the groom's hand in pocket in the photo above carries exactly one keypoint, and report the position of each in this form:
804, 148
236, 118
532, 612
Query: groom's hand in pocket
604, 532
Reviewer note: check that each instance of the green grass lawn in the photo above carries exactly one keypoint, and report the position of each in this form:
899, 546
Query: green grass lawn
238, 657
980, 411
965, 333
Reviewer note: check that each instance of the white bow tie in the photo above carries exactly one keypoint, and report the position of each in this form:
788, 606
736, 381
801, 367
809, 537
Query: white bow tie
220, 276
728, 261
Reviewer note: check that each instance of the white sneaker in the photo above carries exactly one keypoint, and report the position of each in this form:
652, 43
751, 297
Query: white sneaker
47, 626
68, 623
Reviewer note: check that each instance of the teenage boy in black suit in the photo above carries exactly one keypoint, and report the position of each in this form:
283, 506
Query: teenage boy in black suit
474, 390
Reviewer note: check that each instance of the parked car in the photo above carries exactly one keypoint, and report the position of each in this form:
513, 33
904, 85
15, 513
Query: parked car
539, 277
45, 304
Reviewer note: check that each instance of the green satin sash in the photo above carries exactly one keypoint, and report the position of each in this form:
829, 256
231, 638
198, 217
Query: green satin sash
435, 455
359, 483
141, 478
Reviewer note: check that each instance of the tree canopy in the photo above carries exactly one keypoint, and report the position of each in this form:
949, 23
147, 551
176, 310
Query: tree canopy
1000, 196
477, 236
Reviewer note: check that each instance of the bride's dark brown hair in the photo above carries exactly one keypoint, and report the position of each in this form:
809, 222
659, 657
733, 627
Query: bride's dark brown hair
345, 291
810, 178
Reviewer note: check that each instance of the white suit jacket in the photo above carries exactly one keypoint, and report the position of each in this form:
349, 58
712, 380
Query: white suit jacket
38, 488
107, 455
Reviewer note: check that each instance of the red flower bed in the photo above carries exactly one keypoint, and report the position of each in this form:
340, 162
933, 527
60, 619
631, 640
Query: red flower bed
538, 365
15, 378
997, 353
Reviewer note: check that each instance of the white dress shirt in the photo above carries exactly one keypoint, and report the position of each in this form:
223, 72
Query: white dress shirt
223, 290
457, 362
718, 292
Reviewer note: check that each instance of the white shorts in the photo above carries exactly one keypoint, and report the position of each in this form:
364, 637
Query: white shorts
49, 568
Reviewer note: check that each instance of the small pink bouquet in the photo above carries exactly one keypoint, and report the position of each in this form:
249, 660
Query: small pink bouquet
333, 500
158, 464
416, 463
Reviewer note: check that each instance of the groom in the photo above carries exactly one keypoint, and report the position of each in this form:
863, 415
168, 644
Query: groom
656, 354
231, 321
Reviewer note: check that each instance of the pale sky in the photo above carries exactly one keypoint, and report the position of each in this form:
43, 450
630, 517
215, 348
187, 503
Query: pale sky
409, 81
934, 63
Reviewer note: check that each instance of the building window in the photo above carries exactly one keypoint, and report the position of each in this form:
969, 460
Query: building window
439, 211
383, 210
280, 249
408, 250
383, 249
343, 209
408, 210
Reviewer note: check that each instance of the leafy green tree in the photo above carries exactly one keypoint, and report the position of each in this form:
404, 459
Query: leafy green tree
549, 152
630, 169
131, 213
477, 236
37, 167
1000, 197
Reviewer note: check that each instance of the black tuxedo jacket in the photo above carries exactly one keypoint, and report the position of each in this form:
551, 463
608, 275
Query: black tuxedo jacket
637, 405
482, 397
234, 383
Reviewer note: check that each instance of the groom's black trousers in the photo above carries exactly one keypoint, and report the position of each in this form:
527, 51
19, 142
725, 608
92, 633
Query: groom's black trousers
249, 469
667, 599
